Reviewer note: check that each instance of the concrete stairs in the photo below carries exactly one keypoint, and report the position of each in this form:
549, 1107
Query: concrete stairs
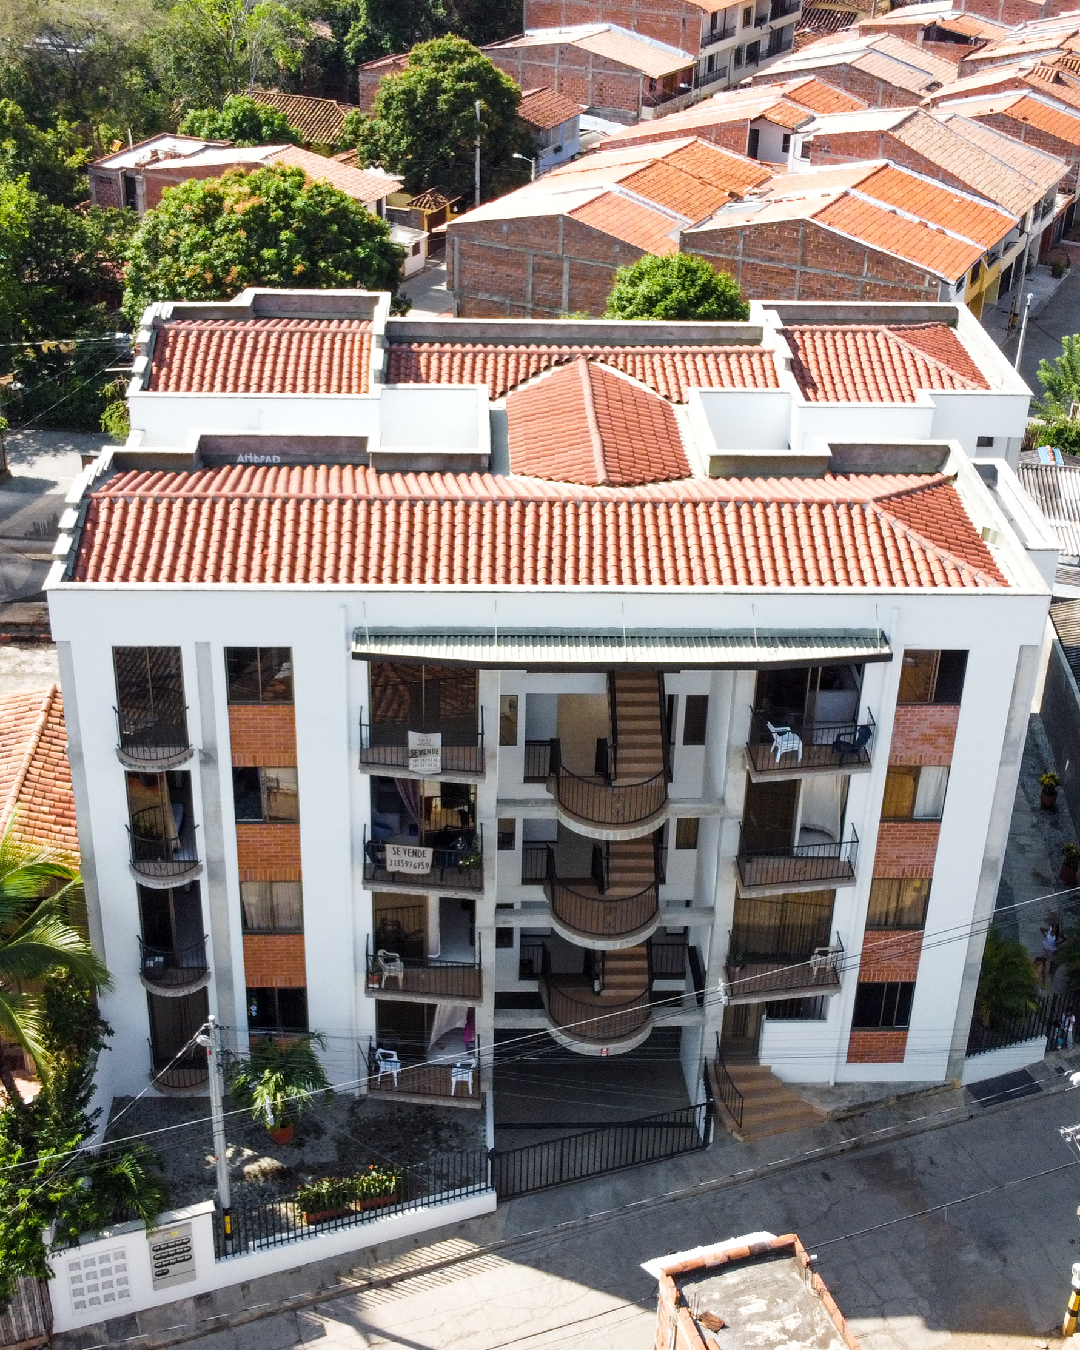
639, 732
631, 866
626, 974
769, 1105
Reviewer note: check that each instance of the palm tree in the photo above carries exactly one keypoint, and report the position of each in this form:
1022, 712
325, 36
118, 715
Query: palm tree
41, 902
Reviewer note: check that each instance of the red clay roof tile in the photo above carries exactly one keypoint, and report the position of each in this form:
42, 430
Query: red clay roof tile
35, 777
879, 365
546, 108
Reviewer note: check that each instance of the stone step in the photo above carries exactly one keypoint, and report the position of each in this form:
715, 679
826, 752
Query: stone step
769, 1105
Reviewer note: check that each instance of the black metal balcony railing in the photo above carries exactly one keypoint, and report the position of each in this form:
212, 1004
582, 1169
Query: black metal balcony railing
780, 9
385, 745
800, 744
596, 915
667, 956
417, 1075
190, 1070
805, 968
537, 761
391, 973
800, 864
591, 1017
458, 865
158, 850
603, 801
730, 1095
173, 968
152, 736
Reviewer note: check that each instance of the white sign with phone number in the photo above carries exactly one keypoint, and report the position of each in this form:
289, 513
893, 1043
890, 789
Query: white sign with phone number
408, 858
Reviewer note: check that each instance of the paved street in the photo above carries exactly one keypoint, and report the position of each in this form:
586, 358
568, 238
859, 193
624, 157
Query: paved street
1060, 315
992, 1271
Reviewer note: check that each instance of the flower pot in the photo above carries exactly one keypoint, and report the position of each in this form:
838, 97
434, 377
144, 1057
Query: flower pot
1048, 799
281, 1134
377, 1202
1068, 873
321, 1215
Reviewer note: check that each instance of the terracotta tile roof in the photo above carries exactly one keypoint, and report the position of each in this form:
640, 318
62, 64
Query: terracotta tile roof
340, 525
632, 222
1038, 166
937, 203
724, 169
1037, 112
363, 185
881, 55
318, 120
912, 240
654, 59
670, 371
262, 356
872, 364
546, 108
583, 423
668, 185
820, 97
35, 777
721, 110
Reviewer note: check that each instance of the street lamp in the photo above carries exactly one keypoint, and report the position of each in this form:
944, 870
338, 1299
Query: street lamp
530, 162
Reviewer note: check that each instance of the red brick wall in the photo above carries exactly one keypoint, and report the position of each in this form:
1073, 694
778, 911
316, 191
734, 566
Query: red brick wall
877, 93
798, 260
671, 21
1015, 11
728, 135
591, 80
268, 852
274, 961
906, 848
876, 1047
923, 734
890, 955
105, 189
262, 734
157, 180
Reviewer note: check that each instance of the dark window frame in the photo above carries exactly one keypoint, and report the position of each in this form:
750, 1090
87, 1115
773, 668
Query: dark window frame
686, 832
263, 819
264, 676
506, 838
884, 1006
695, 719
286, 1018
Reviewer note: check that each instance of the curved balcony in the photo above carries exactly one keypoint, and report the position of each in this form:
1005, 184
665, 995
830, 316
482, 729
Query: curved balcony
591, 914
173, 972
162, 855
153, 740
603, 806
420, 864
589, 1017
188, 1074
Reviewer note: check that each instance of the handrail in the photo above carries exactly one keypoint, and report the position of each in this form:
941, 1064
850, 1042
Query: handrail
169, 967
168, 855
426, 975
163, 735
600, 803
462, 868
799, 863
598, 1022
394, 754
618, 915
730, 1095
178, 1071
821, 745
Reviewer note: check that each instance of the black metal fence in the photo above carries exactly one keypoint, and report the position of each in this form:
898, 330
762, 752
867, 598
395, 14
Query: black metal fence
1048, 1020
592, 1153
460, 867
537, 761
603, 802
173, 967
272, 1223
730, 1095
153, 736
389, 971
385, 745
800, 864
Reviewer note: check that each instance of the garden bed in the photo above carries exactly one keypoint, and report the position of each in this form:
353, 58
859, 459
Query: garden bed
341, 1137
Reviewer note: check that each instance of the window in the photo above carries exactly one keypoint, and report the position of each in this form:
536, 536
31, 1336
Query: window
277, 1009
504, 937
976, 272
424, 697
740, 55
914, 793
695, 719
898, 903
932, 677
507, 835
149, 687
984, 442
508, 719
806, 147
259, 674
272, 906
748, 16
785, 142
686, 832
710, 61
671, 715
882, 1005
753, 140
268, 795
798, 1009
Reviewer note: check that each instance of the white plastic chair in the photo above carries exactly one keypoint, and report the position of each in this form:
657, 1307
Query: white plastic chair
462, 1072
387, 1061
784, 741
390, 966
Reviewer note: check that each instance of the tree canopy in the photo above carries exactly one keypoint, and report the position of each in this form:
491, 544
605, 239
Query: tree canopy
382, 27
1060, 380
423, 124
241, 120
210, 238
678, 286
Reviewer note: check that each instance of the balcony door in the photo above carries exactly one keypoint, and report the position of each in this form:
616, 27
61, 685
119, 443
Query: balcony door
768, 823
422, 698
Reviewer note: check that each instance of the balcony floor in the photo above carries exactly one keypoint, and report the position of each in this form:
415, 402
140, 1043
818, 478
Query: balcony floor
427, 1083
760, 981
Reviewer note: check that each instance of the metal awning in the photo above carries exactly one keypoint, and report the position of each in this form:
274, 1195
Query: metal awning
528, 648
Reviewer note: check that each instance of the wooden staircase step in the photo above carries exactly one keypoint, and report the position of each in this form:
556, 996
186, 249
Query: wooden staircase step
769, 1105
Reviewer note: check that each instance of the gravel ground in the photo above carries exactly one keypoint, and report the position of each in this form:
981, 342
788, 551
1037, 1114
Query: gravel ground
343, 1136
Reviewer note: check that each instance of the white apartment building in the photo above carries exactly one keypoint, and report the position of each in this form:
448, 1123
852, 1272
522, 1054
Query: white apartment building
576, 680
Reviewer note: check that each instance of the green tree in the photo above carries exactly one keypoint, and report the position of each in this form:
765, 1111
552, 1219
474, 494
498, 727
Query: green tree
1008, 986
241, 120
40, 894
679, 286
277, 1082
1060, 380
210, 238
51, 168
423, 124
383, 27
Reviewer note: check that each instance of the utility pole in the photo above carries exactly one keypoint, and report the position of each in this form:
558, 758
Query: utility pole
476, 171
1023, 329
211, 1039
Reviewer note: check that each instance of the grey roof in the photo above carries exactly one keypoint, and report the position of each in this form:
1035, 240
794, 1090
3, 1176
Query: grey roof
1055, 489
1065, 616
736, 650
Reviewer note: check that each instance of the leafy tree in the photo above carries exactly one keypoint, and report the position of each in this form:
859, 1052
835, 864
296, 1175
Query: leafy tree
277, 1081
679, 286
51, 168
1060, 380
241, 120
210, 238
423, 124
382, 27
1008, 986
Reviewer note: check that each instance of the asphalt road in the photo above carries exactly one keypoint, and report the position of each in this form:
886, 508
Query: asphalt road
1060, 316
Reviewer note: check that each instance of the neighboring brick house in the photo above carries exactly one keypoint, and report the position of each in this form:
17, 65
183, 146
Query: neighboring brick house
318, 120
115, 178
554, 121
938, 28
881, 70
1030, 117
1040, 39
861, 232
1058, 78
552, 247
372, 73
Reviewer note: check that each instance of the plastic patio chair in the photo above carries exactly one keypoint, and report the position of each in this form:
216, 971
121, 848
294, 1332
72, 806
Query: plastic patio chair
785, 741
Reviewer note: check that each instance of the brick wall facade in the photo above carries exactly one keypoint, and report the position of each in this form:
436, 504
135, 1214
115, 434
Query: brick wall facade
923, 734
890, 955
157, 180
262, 734
671, 21
876, 1047
106, 188
1010, 12
728, 135
906, 848
799, 260
874, 92
591, 80
268, 852
274, 961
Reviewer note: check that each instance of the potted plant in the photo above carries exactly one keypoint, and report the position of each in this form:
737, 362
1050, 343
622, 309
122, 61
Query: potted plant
377, 1187
736, 960
277, 1082
1070, 861
333, 1197
1049, 783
